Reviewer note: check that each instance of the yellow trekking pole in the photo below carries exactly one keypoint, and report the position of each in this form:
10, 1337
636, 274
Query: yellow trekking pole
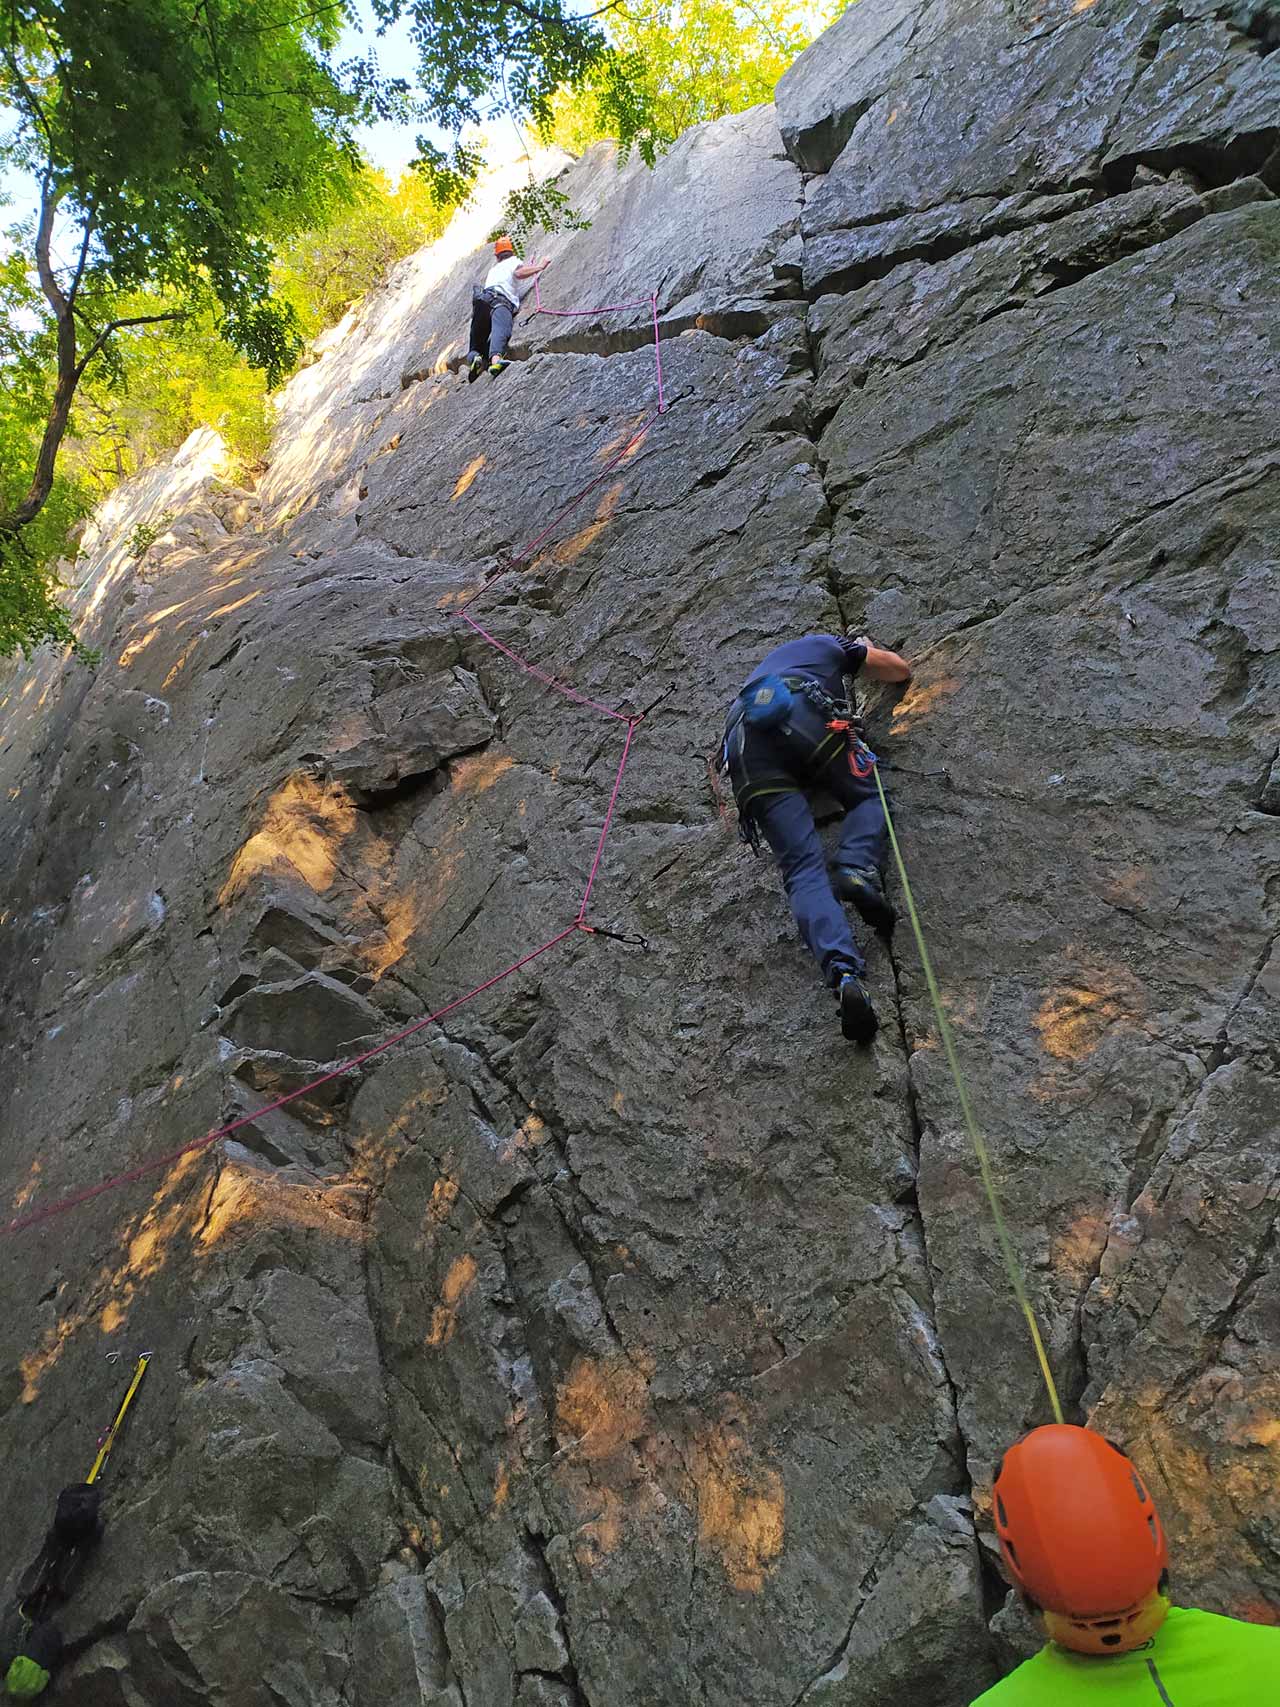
109, 1438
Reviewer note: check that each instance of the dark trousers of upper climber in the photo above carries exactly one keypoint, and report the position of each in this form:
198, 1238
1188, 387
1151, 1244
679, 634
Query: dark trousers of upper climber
492, 317
770, 771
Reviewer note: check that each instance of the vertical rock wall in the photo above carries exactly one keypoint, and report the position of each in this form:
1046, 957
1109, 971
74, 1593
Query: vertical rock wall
626, 1338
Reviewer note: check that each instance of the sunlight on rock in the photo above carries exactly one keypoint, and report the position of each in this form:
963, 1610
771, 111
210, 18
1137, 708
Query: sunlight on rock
246, 1199
479, 772
615, 444
26, 1192
604, 1404
457, 1283
919, 701
741, 1507
401, 917
136, 647
468, 477
1073, 1018
238, 604
302, 831
1075, 1252
183, 660
175, 1210
444, 1194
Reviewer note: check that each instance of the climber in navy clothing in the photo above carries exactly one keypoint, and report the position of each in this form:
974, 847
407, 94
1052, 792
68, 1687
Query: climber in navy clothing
791, 729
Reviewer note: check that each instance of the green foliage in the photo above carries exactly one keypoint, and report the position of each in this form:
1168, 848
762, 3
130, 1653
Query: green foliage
145, 534
537, 207
321, 273
477, 58
680, 62
187, 140
174, 147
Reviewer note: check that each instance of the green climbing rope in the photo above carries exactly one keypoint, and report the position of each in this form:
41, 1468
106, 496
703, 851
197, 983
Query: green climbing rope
966, 1109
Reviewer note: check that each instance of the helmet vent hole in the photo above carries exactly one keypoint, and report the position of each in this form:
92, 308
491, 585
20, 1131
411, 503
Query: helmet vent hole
1001, 1512
1155, 1533
1012, 1551
1138, 1487
1111, 1641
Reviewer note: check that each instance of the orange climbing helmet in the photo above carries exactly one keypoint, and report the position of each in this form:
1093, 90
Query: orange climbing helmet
504, 246
1079, 1530
1081, 1538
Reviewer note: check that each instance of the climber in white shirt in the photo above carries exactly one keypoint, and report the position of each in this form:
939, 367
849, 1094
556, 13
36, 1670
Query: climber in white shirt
494, 306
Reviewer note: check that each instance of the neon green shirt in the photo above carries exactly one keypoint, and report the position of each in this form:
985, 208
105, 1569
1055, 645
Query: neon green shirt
1195, 1659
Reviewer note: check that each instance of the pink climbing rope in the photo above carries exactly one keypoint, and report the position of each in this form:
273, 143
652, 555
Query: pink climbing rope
156, 1164
533, 670
527, 550
608, 817
583, 313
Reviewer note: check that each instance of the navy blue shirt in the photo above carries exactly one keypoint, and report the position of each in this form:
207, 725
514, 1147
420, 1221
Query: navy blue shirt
827, 658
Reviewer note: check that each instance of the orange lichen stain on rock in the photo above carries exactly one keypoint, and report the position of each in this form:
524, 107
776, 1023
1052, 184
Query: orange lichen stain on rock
1075, 1252
502, 1487
302, 829
441, 364
173, 1212
457, 1283
1084, 5
27, 1191
1072, 1019
741, 1507
531, 1132
1256, 1611
620, 444
603, 1403
478, 773
245, 1198
892, 118
444, 1194
468, 477
618, 1102
182, 662
920, 700
401, 916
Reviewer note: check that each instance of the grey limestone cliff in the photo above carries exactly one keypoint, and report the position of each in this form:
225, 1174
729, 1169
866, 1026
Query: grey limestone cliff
625, 1339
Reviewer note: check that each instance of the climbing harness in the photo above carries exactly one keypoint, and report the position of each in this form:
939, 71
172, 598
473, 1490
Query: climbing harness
1012, 1266
767, 706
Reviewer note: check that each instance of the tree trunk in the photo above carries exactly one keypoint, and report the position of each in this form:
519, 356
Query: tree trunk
68, 371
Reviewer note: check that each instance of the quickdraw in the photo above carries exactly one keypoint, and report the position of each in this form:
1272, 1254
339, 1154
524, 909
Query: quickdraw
862, 761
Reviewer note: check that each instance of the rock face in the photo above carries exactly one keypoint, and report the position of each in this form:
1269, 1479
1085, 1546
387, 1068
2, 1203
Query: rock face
624, 1338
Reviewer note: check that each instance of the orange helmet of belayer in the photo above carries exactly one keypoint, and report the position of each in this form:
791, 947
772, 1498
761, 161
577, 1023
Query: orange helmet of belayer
1082, 1539
504, 246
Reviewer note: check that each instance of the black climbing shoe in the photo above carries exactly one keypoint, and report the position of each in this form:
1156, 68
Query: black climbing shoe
475, 367
860, 885
858, 1019
499, 366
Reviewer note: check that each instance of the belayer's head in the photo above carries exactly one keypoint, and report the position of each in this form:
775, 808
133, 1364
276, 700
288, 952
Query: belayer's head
503, 248
1081, 1539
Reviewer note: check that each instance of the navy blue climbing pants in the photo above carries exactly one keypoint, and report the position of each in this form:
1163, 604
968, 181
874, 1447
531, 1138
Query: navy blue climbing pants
787, 823
773, 757
491, 320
